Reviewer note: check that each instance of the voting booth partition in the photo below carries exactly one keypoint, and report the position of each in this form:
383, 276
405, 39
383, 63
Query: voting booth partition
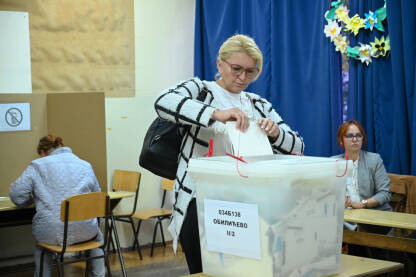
79, 118
272, 216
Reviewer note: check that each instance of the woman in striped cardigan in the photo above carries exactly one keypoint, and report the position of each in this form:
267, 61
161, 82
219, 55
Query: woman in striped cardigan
202, 108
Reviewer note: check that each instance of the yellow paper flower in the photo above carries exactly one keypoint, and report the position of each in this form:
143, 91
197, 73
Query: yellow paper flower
380, 47
340, 44
342, 14
355, 24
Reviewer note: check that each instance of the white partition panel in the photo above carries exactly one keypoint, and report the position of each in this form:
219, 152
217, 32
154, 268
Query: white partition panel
15, 73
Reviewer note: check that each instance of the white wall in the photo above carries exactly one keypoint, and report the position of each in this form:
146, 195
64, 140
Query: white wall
164, 37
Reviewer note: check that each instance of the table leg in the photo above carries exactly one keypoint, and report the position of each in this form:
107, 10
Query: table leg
120, 254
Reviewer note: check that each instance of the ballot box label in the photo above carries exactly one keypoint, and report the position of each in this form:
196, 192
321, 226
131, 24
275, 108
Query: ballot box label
232, 228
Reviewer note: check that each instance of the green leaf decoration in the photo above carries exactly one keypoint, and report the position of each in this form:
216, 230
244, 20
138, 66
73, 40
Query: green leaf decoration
335, 4
380, 27
331, 14
352, 52
381, 15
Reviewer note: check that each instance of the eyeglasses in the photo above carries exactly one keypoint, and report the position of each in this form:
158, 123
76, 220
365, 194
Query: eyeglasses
356, 136
237, 70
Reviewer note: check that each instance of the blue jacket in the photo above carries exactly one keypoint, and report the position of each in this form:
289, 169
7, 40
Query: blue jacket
47, 182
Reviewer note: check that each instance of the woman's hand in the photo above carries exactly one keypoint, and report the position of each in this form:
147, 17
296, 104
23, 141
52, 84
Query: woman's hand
234, 114
269, 127
347, 202
357, 205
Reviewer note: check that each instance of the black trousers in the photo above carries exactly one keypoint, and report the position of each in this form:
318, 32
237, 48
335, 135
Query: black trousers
189, 239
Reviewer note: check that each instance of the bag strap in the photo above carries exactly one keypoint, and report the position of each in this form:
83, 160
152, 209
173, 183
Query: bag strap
202, 96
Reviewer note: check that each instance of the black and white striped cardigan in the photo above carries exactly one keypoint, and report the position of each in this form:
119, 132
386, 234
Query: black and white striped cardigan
189, 105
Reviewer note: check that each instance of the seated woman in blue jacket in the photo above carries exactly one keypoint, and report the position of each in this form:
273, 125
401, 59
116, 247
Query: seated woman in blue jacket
47, 181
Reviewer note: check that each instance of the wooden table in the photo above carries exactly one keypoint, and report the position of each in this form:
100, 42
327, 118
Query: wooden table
380, 218
6, 204
115, 198
354, 266
12, 215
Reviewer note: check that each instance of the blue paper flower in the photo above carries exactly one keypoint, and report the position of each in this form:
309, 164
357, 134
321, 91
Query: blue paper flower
371, 20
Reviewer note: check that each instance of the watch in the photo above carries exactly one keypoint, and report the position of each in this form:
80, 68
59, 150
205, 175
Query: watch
364, 202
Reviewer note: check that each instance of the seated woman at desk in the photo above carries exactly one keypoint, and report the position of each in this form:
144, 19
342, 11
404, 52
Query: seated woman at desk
369, 186
47, 181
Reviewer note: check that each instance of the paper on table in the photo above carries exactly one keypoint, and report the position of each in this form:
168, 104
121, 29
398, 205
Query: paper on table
252, 142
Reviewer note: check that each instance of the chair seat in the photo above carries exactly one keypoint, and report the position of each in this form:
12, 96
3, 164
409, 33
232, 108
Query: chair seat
128, 213
71, 248
145, 214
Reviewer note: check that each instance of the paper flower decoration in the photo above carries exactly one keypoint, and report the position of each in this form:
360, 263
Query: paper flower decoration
332, 29
380, 47
365, 53
371, 20
340, 44
354, 24
340, 25
342, 13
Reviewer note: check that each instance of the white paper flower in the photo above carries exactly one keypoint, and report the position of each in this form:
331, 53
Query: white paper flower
365, 53
332, 29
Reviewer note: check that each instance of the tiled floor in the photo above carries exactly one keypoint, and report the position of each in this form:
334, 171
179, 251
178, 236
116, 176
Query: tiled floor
163, 264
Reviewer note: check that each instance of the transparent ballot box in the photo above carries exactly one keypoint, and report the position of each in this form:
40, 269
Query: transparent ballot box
275, 215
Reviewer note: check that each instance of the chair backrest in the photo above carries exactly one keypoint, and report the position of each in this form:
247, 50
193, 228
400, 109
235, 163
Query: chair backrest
398, 182
126, 180
85, 206
404, 185
167, 184
403, 199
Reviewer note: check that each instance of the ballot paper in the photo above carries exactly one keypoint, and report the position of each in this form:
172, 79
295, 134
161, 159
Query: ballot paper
252, 142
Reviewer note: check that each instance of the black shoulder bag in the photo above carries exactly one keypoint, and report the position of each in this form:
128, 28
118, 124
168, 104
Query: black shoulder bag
162, 145
161, 148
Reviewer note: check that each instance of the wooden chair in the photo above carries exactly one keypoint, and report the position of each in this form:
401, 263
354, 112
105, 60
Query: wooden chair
403, 200
128, 181
157, 213
80, 207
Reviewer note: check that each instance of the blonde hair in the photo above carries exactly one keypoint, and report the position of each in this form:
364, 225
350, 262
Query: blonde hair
241, 44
